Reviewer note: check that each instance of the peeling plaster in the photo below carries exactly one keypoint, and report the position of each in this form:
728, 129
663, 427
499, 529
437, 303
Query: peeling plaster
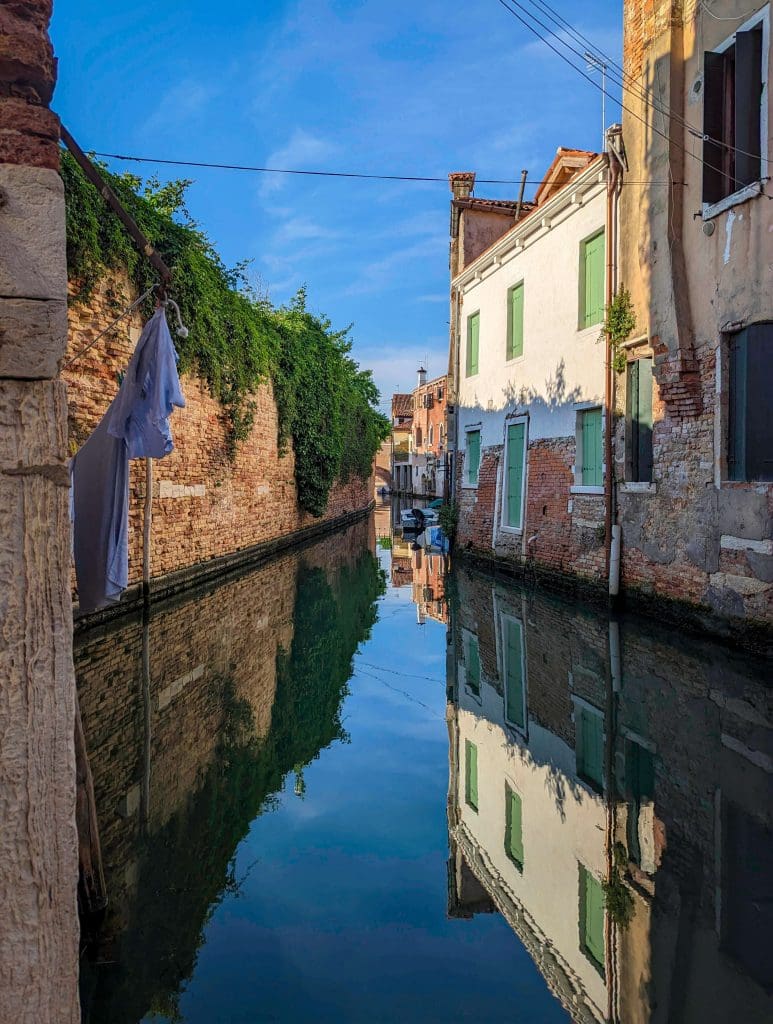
728, 235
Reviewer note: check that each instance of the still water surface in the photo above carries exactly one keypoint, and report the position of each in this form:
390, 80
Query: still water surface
359, 789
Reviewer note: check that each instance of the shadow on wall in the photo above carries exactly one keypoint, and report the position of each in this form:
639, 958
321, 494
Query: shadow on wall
555, 396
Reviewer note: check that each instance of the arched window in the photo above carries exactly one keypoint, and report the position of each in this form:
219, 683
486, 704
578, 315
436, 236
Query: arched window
440, 435
418, 437
431, 434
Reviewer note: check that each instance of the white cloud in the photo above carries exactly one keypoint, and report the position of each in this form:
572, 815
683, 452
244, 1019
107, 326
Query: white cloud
303, 151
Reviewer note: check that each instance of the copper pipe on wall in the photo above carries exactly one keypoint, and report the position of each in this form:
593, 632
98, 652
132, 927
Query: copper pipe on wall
614, 180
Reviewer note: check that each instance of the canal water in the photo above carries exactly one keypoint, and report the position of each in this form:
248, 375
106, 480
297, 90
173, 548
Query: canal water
363, 786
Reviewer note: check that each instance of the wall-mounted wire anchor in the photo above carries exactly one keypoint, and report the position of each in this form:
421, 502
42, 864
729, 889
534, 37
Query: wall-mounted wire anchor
182, 330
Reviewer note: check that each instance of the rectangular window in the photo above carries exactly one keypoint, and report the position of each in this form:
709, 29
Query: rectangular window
515, 322
592, 281
750, 427
589, 747
472, 664
473, 340
639, 416
592, 918
515, 704
513, 827
471, 774
516, 436
592, 475
733, 80
473, 456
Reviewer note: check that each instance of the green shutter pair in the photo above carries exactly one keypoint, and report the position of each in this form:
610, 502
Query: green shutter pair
640, 418
473, 343
516, 433
513, 826
592, 281
471, 774
592, 474
473, 456
515, 322
514, 703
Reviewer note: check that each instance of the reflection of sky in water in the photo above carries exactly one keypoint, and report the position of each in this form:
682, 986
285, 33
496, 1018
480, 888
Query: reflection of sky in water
341, 914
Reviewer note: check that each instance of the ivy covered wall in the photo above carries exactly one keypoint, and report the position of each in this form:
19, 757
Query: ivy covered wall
327, 405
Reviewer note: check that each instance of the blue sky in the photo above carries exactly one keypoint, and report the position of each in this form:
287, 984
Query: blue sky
398, 87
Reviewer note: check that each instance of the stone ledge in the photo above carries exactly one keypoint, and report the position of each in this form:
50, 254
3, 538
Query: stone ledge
761, 547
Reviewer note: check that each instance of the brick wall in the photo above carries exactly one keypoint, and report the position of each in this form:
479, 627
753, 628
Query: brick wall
205, 505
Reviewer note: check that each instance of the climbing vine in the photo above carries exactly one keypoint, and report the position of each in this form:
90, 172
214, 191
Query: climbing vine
617, 327
237, 339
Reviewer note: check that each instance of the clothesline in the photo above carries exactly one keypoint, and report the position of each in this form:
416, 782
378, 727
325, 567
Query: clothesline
109, 328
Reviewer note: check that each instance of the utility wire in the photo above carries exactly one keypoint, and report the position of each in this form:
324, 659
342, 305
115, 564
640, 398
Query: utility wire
329, 174
620, 76
527, 24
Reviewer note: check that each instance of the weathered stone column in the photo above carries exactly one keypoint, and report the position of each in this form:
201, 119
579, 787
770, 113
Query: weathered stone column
38, 842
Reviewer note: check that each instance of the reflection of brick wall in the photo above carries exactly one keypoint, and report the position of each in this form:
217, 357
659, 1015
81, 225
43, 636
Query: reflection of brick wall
214, 506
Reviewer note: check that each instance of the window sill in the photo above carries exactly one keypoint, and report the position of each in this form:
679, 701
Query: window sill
514, 359
582, 331
470, 487
711, 210
585, 489
637, 487
514, 531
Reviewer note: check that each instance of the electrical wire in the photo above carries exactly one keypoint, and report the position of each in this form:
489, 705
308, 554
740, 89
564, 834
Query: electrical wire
327, 174
527, 24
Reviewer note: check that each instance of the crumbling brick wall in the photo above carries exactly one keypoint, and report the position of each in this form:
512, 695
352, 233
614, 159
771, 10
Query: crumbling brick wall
205, 503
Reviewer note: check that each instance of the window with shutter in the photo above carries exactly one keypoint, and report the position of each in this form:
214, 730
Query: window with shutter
516, 450
639, 418
592, 462
734, 76
472, 665
750, 427
513, 827
471, 774
473, 340
589, 747
592, 281
515, 690
473, 456
592, 918
515, 322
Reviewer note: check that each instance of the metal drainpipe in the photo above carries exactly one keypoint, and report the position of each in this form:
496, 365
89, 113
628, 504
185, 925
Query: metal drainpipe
614, 176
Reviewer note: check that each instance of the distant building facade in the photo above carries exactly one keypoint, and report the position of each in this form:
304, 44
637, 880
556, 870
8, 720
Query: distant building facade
402, 422
428, 437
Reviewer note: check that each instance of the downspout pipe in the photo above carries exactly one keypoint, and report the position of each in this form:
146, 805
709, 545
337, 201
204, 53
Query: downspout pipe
612, 532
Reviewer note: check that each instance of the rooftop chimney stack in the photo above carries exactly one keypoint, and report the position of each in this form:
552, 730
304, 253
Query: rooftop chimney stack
422, 377
462, 183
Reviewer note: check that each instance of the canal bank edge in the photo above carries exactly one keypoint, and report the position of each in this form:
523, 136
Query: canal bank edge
216, 569
749, 635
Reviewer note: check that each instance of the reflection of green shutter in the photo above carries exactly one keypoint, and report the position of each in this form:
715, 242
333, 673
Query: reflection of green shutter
591, 747
473, 665
515, 436
592, 916
592, 272
515, 323
473, 340
592, 475
473, 456
513, 826
471, 774
514, 673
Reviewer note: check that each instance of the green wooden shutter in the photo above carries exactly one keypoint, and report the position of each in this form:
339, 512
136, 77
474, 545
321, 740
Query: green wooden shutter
471, 774
639, 418
514, 672
592, 910
473, 456
473, 665
513, 826
514, 489
593, 281
473, 339
515, 323
592, 475
591, 748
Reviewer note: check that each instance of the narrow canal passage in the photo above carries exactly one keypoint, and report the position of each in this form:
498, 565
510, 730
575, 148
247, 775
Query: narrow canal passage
360, 790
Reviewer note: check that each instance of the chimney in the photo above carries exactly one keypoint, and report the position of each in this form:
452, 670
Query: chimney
422, 377
462, 183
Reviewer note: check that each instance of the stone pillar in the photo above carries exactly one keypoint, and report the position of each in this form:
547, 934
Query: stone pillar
38, 842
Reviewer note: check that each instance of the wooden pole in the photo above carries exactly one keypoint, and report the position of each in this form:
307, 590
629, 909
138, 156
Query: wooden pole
146, 569
92, 878
148, 519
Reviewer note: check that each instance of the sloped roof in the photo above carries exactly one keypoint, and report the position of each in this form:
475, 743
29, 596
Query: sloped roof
402, 405
566, 164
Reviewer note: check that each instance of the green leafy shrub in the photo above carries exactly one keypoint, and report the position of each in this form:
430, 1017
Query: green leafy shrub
237, 339
448, 518
617, 327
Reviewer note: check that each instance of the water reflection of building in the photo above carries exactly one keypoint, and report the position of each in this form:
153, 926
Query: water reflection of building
428, 569
237, 697
598, 771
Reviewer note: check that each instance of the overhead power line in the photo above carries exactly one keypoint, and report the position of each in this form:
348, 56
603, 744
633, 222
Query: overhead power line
526, 22
328, 174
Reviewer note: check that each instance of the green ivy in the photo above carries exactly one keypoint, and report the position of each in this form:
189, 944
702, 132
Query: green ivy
617, 327
327, 405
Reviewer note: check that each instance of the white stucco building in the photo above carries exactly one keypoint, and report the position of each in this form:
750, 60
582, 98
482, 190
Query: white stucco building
530, 372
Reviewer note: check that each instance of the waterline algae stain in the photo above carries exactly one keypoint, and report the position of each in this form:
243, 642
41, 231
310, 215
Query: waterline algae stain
291, 830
